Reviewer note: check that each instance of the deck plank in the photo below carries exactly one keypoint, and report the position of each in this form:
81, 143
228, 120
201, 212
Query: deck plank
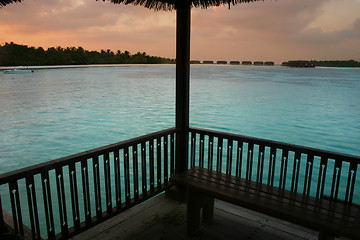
163, 218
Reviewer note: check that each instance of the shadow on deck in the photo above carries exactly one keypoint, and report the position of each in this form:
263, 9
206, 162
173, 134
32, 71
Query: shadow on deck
164, 218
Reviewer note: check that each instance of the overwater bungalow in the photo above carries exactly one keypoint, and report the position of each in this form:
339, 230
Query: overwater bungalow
194, 62
234, 62
269, 63
246, 63
258, 63
221, 62
309, 187
208, 62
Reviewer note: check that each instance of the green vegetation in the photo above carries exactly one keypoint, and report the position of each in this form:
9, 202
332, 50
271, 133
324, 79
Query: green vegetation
12, 54
338, 63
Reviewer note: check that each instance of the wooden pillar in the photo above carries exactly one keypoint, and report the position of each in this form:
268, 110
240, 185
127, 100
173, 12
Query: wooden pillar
182, 84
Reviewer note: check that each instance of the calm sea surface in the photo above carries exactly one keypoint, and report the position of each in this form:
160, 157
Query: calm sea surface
57, 112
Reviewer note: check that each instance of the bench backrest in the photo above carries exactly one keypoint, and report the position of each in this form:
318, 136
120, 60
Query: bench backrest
314, 172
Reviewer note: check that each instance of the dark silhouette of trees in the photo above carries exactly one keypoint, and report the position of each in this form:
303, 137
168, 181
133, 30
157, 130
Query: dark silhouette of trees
12, 54
338, 63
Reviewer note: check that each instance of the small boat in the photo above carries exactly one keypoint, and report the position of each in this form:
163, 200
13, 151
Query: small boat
18, 71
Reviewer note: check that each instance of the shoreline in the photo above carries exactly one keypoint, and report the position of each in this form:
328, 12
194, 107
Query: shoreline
80, 66
2, 68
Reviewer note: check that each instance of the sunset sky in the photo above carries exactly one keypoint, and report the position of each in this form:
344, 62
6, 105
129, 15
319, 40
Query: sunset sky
269, 31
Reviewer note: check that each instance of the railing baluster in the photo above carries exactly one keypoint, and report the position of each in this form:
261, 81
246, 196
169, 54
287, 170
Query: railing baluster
335, 180
166, 160
321, 178
239, 156
16, 208
229, 156
350, 183
86, 192
143, 169
61, 200
249, 161
97, 191
2, 221
74, 195
127, 175
48, 205
272, 161
283, 168
295, 174
201, 150
219, 154
117, 178
210, 152
135, 171
107, 182
308, 174
260, 166
33, 210
192, 149
158, 158
172, 155
151, 146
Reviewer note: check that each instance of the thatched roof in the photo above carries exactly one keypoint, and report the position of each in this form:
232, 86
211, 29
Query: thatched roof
162, 4
5, 2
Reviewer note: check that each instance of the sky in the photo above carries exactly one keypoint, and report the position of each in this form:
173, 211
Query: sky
270, 30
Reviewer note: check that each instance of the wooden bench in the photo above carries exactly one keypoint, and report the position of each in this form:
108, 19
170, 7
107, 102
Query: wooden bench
330, 218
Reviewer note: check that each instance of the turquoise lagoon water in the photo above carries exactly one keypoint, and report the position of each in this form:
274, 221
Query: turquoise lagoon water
57, 112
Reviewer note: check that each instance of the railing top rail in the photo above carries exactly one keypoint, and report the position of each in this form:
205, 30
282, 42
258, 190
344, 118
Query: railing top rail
49, 165
276, 144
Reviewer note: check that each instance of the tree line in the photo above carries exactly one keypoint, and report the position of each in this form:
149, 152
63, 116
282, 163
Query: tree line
12, 54
336, 63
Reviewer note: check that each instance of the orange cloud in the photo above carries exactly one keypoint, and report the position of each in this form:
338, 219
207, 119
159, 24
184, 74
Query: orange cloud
271, 30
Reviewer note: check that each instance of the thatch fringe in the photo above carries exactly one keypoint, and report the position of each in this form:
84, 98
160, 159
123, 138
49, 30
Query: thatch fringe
163, 4
172, 4
6, 2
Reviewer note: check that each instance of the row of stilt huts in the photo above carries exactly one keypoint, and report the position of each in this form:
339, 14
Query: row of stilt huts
257, 63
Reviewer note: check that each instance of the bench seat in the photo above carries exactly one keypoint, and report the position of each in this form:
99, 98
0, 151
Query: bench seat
330, 218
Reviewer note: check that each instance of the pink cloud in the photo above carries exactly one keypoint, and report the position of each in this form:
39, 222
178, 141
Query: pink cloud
270, 30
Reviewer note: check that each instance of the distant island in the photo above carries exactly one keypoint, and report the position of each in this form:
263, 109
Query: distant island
314, 63
337, 63
12, 54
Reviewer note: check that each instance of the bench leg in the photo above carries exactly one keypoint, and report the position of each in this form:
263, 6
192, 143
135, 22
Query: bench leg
325, 236
195, 202
193, 212
208, 210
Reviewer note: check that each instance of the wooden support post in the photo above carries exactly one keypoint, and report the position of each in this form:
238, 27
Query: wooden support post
325, 236
182, 84
208, 210
195, 202
193, 212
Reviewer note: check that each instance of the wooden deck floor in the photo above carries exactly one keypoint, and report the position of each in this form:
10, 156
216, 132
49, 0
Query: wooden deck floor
163, 218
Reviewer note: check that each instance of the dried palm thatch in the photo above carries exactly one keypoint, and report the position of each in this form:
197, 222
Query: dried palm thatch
172, 4
163, 4
6, 2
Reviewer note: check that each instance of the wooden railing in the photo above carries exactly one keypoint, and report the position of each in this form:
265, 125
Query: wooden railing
72, 194
63, 197
299, 169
